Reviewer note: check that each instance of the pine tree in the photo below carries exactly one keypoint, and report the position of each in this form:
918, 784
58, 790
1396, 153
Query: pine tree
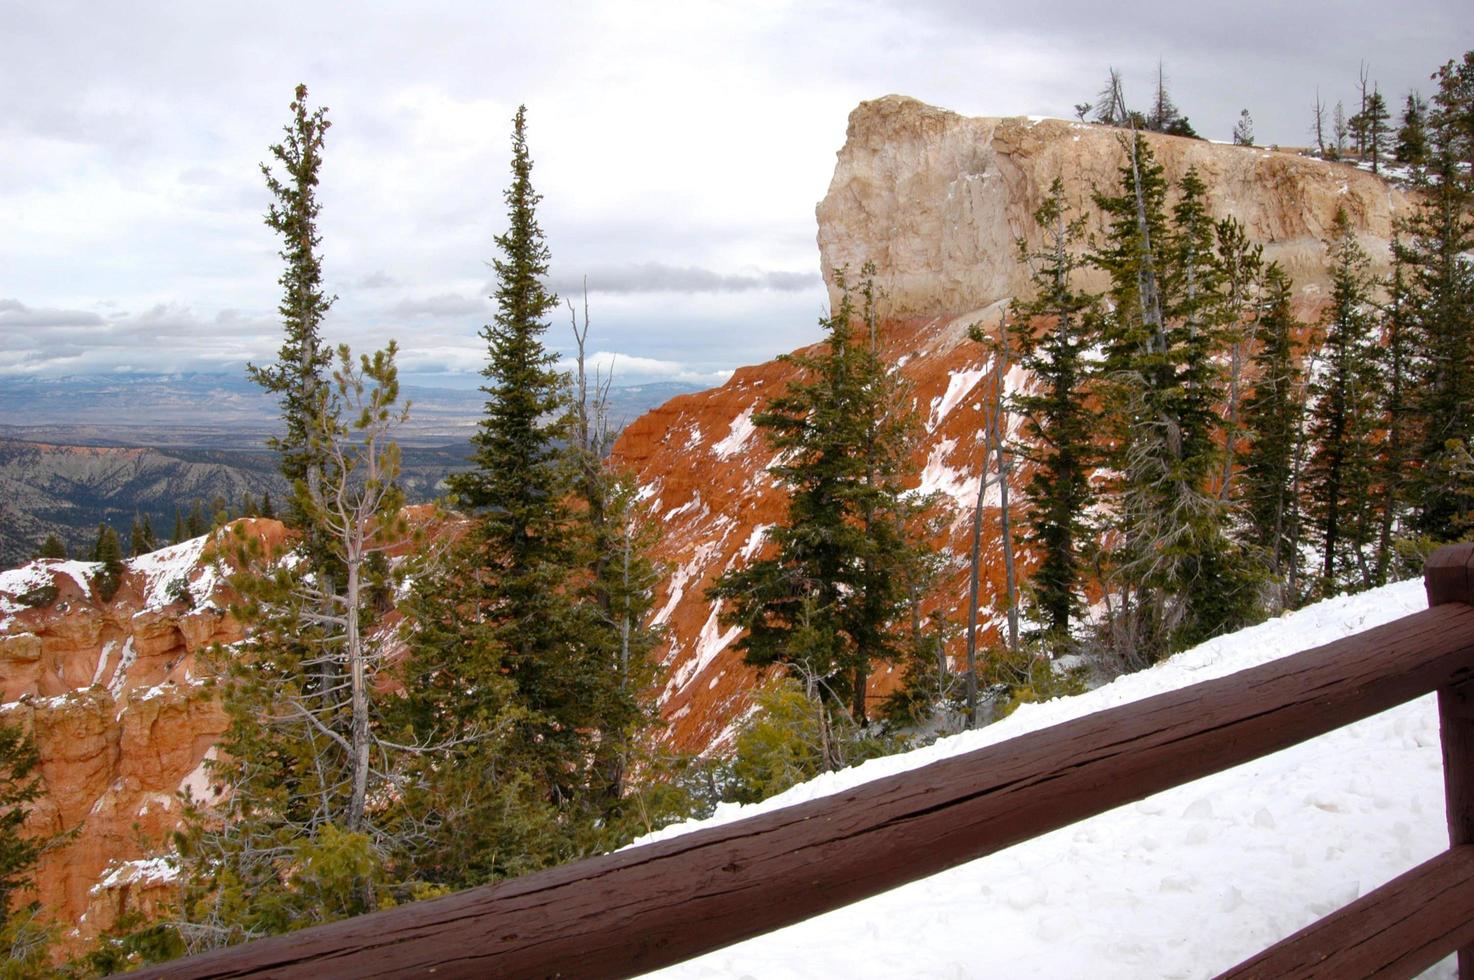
109, 553
1452, 119
311, 823
1243, 130
1171, 574
1240, 264
20, 786
140, 536
23, 937
1339, 473
1394, 467
1377, 135
1412, 135
298, 376
1440, 233
268, 510
1061, 321
503, 657
52, 547
195, 524
828, 602
620, 577
1271, 423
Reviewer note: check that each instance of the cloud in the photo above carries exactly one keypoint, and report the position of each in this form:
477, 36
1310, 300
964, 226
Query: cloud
15, 314
379, 279
161, 337
444, 304
656, 277
631, 369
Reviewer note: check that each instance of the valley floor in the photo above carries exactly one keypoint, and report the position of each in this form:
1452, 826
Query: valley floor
1183, 884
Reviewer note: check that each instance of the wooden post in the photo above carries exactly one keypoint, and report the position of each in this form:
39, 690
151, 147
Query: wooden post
1448, 577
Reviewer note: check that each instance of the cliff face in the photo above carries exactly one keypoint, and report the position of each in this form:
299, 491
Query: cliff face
936, 201
119, 712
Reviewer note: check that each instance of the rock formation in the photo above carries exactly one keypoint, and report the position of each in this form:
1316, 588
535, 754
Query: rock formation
937, 201
120, 713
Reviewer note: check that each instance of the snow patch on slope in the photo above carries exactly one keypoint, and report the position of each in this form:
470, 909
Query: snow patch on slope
937, 477
742, 430
1185, 883
959, 385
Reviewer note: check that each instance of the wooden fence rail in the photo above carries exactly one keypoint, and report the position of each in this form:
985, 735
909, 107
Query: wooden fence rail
646, 907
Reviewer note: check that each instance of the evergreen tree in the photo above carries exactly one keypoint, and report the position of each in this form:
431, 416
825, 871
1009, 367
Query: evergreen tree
1377, 136
311, 825
1412, 135
140, 537
109, 553
620, 578
1440, 234
52, 547
297, 377
181, 529
20, 786
1171, 574
1243, 130
25, 940
1339, 474
196, 524
1394, 466
1271, 423
1061, 320
1452, 118
268, 510
508, 658
828, 603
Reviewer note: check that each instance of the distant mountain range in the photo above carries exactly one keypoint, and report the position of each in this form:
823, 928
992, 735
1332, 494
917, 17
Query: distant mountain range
227, 411
79, 451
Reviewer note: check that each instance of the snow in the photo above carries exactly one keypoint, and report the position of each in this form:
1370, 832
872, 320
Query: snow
959, 384
754, 542
152, 871
682, 577
120, 673
742, 430
938, 477
712, 641
19, 581
691, 504
1185, 883
107, 650
162, 567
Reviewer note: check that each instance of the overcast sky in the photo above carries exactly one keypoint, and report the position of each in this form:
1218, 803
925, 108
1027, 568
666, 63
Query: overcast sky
680, 149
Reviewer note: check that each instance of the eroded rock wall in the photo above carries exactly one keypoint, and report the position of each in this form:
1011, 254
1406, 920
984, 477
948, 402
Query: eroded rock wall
115, 697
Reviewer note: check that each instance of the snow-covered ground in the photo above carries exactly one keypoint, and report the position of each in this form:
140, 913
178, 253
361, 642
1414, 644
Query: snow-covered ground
1183, 884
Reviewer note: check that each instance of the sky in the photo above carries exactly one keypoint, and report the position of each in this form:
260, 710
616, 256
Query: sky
680, 149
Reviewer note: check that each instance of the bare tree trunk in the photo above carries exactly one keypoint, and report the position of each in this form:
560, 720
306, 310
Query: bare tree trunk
1005, 521
360, 724
972, 601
